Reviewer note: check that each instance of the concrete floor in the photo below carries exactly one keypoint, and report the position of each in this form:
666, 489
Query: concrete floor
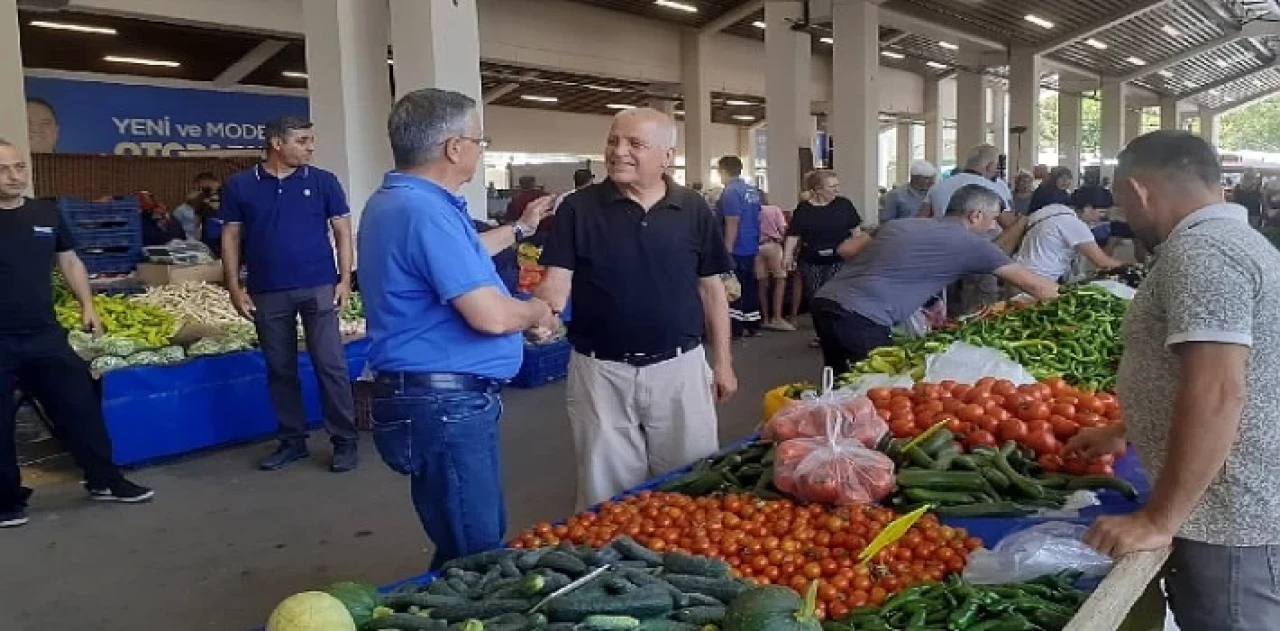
223, 543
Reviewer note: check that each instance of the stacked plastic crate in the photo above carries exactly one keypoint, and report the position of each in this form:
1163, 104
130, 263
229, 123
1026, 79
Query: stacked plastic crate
107, 235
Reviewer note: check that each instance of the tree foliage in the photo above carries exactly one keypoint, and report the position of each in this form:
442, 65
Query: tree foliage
1254, 128
1090, 123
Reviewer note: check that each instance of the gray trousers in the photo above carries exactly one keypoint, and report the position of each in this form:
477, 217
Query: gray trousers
1223, 588
276, 322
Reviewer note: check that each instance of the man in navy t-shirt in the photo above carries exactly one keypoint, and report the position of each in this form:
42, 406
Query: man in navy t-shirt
276, 219
739, 205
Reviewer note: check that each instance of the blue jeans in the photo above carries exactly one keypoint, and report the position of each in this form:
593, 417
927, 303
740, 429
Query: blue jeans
447, 442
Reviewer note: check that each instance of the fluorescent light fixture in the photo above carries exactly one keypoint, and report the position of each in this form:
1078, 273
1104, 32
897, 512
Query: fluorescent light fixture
891, 54
1038, 21
1258, 83
948, 45
602, 88
1170, 31
678, 6
539, 99
391, 62
936, 66
738, 103
620, 106
141, 61
1165, 73
1215, 92
677, 112
1222, 63
743, 117
827, 40
1189, 84
1096, 44
79, 28
1227, 99
1137, 61
294, 75
758, 24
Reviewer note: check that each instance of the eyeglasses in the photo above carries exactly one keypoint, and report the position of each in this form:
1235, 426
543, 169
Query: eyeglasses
482, 142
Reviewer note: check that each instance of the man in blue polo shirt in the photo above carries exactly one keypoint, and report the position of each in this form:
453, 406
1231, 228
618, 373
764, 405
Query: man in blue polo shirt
444, 331
276, 220
739, 205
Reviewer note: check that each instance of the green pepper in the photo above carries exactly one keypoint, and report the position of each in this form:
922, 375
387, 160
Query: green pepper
964, 615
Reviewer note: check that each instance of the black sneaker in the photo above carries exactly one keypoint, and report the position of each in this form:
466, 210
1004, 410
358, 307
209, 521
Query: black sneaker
13, 518
286, 453
346, 457
122, 491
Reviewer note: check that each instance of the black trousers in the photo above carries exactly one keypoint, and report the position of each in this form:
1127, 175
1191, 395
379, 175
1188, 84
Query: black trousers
744, 313
44, 365
846, 338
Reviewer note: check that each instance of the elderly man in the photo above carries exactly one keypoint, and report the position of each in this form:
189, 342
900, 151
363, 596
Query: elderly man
642, 257
981, 168
905, 201
445, 333
278, 215
906, 263
1199, 382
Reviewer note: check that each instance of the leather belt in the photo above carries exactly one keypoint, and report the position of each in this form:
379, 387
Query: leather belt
640, 360
446, 381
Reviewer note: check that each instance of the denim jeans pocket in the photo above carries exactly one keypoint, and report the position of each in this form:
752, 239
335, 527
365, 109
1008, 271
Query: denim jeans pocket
395, 444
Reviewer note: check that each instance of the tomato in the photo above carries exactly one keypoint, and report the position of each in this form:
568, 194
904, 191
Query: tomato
951, 406
924, 422
1064, 429
954, 425
970, 413
1050, 462
1089, 419
1099, 468
1004, 388
879, 395
1065, 410
1074, 465
1034, 412
981, 438
1014, 430
989, 424
978, 394
1042, 442
1034, 427
902, 414
1016, 401
902, 429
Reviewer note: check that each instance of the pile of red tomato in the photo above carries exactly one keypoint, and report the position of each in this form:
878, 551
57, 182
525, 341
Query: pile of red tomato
776, 542
1041, 416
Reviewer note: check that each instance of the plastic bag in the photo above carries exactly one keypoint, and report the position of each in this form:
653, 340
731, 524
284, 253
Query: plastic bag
1043, 549
832, 471
837, 414
915, 326
966, 363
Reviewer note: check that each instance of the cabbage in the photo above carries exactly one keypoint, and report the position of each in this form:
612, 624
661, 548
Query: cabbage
171, 354
118, 346
311, 611
144, 358
107, 362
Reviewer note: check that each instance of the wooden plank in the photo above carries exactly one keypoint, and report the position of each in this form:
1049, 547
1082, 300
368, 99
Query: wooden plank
1109, 605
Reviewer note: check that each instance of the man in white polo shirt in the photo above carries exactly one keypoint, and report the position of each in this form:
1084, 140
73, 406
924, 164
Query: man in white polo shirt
980, 168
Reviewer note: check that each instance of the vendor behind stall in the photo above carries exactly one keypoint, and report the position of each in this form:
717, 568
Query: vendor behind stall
159, 226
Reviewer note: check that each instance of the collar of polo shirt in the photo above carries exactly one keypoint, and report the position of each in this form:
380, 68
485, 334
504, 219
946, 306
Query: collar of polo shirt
259, 172
1222, 210
670, 199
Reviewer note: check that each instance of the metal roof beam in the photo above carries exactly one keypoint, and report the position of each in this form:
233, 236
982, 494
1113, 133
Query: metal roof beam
1220, 83
1252, 29
733, 16
507, 88
1101, 24
252, 60
1253, 100
912, 24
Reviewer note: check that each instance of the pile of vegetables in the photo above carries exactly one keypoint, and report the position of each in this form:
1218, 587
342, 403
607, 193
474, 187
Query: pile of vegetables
747, 469
1076, 337
1130, 274
193, 303
1047, 603
776, 542
123, 319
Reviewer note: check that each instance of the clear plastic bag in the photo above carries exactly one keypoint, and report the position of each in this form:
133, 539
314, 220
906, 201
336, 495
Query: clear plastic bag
830, 471
1046, 548
838, 414
966, 363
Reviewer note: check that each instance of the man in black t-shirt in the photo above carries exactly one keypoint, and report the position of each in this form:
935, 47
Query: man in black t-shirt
34, 352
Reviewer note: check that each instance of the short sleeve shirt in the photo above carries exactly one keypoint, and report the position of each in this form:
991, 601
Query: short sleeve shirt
903, 202
1049, 246
1214, 280
418, 252
636, 274
940, 195
284, 238
742, 200
821, 229
906, 263
30, 236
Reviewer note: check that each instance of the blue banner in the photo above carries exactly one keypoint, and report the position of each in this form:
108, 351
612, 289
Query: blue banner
74, 116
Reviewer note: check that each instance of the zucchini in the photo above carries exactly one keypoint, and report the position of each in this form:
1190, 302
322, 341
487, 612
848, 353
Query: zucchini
965, 462
701, 615
937, 497
970, 481
676, 563
722, 589
404, 622
664, 624
999, 480
636, 552
986, 509
1096, 482
1021, 483
641, 603
564, 562
916, 456
610, 623
946, 456
934, 444
423, 600
481, 609
1054, 480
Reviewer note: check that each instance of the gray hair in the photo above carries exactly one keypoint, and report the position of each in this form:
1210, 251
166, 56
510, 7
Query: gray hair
668, 134
973, 198
422, 121
982, 155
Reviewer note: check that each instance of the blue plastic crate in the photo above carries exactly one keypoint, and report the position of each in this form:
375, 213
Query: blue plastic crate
543, 364
112, 262
127, 237
81, 214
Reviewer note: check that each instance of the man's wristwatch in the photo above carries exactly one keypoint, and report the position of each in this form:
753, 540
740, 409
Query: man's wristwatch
522, 231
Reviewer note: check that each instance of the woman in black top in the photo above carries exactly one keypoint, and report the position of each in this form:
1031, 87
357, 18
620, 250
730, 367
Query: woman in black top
818, 226
1055, 189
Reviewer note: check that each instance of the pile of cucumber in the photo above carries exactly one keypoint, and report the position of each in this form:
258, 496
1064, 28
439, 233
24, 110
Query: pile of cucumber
504, 590
748, 469
987, 482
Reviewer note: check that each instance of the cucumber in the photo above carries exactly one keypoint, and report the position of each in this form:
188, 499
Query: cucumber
946, 457
564, 562
937, 497
441, 587
529, 559
986, 509
664, 624
515, 622
481, 587
1021, 483
552, 580
636, 552
965, 462
610, 623
645, 579
917, 457
701, 615
882, 445
934, 444
970, 481
676, 563
466, 576
482, 609
423, 600
700, 600
508, 566
481, 561
617, 585
1095, 482
562, 626
641, 603
999, 480
404, 622
722, 589
1054, 480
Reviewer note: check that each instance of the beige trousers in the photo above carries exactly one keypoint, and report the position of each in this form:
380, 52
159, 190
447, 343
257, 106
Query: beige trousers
631, 424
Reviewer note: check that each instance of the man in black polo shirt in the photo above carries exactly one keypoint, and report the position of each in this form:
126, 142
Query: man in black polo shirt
642, 257
34, 352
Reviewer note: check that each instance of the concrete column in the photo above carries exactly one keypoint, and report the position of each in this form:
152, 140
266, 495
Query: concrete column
1132, 123
1112, 140
971, 106
1069, 115
349, 92
753, 152
856, 101
1024, 108
790, 123
13, 100
697, 108
436, 44
1000, 136
933, 121
1169, 113
1210, 129
744, 152
902, 166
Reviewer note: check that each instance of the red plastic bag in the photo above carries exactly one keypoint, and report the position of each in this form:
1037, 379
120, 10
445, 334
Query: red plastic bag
832, 471
834, 413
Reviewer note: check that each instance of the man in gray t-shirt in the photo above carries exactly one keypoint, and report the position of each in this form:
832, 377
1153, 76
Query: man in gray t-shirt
907, 262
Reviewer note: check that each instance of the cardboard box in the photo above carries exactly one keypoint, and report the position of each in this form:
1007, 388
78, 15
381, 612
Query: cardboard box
155, 274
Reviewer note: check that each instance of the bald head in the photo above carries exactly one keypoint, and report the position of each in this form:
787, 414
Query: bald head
984, 159
640, 147
14, 177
